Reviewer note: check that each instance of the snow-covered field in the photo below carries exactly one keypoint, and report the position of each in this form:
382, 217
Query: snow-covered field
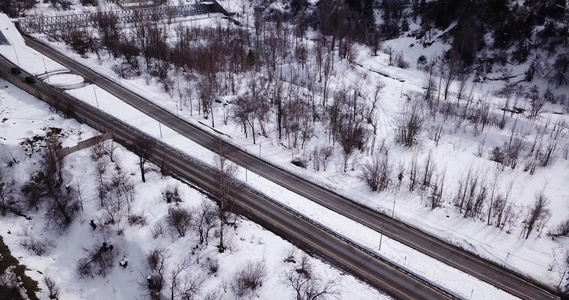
538, 256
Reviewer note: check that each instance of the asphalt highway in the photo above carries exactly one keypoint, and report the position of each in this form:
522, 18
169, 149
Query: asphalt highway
487, 271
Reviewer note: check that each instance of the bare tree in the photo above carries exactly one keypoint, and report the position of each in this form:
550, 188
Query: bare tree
112, 207
97, 151
249, 278
437, 190
461, 88
431, 87
122, 187
515, 147
258, 95
9, 201
215, 294
499, 206
538, 211
191, 287
152, 40
565, 151
546, 156
99, 260
561, 230
205, 220
452, 69
116, 196
110, 33
79, 187
321, 157
206, 92
325, 154
175, 273
316, 160
157, 229
211, 265
15, 8
52, 289
471, 194
307, 285
351, 136
493, 194
413, 173
102, 187
328, 69
428, 171
296, 114
369, 114
511, 216
537, 101
179, 220
46, 186
377, 173
109, 146
243, 112
278, 91
410, 123
154, 276
142, 147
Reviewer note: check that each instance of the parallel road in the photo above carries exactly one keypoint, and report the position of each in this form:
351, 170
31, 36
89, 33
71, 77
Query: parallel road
412, 237
298, 229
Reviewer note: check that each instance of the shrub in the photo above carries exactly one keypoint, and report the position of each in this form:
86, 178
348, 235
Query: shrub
248, 279
99, 261
36, 246
212, 265
179, 220
400, 61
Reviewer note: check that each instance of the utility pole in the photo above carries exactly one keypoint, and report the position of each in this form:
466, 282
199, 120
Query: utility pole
561, 280
246, 166
96, 99
15, 52
381, 235
383, 226
43, 59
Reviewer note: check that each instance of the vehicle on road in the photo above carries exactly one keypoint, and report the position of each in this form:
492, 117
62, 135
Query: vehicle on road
16, 70
31, 79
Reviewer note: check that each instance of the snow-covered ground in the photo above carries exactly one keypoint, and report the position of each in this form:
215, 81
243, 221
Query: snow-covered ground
537, 256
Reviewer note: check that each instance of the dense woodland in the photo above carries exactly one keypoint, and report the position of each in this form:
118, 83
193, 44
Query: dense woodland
279, 74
